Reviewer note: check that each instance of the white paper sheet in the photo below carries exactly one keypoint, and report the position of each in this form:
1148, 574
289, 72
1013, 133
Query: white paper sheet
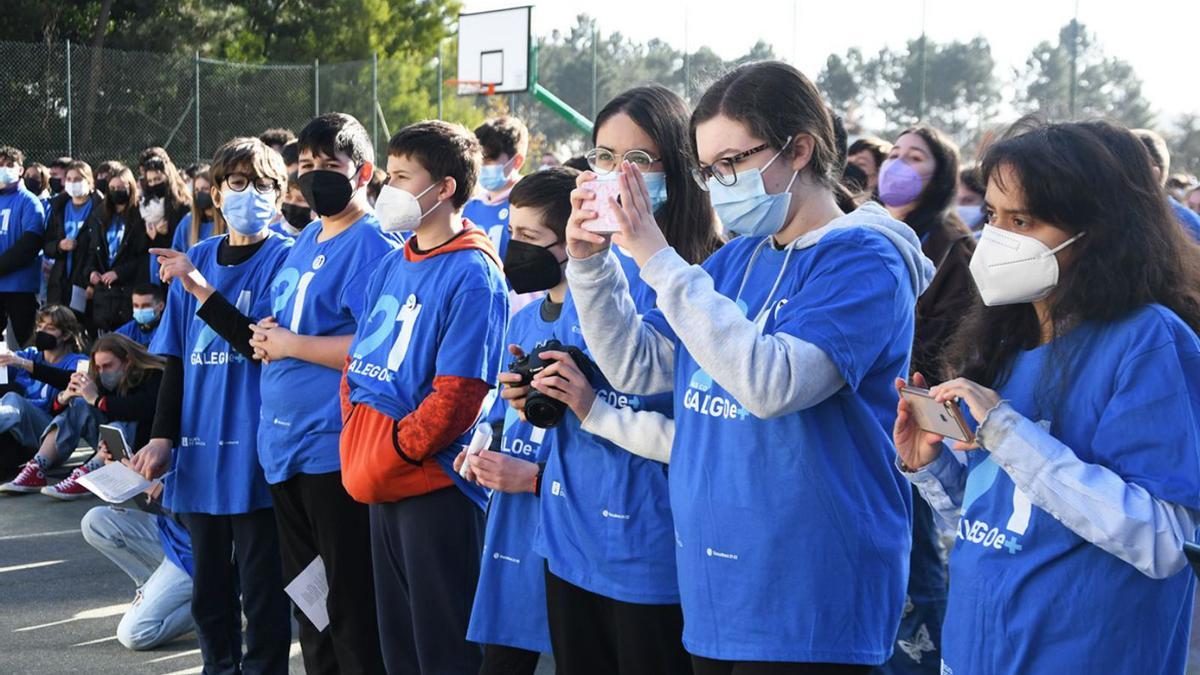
309, 591
78, 299
114, 482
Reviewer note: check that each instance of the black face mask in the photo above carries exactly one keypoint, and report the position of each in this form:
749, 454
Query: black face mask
56, 185
327, 192
119, 197
34, 185
203, 202
531, 268
297, 215
156, 191
44, 341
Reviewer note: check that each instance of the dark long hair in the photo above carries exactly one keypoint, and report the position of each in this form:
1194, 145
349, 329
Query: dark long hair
133, 217
687, 219
935, 204
775, 101
1091, 177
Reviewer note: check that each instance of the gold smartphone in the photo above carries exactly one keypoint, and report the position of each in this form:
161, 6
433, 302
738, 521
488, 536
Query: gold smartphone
944, 419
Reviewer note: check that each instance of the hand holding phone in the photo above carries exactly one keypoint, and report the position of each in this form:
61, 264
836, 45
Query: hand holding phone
944, 419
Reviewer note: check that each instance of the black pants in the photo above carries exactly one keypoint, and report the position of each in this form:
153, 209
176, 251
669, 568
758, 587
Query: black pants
231, 552
21, 309
591, 633
316, 517
503, 660
426, 551
705, 666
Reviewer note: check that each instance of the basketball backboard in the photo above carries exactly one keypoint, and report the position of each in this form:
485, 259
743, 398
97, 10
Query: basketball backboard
493, 49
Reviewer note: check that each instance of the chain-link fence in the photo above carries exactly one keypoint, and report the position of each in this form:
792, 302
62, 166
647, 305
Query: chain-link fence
101, 104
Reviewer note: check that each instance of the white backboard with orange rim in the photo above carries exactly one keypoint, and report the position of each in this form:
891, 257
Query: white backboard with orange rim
493, 49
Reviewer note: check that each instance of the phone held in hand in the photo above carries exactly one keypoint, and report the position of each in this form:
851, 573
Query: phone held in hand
114, 438
83, 367
944, 419
606, 218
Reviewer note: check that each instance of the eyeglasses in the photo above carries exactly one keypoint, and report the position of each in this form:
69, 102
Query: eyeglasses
605, 161
724, 170
238, 182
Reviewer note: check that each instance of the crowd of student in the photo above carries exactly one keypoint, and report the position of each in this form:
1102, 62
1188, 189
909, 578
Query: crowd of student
358, 365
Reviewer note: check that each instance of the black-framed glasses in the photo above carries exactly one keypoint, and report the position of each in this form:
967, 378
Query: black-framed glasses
725, 170
603, 160
238, 182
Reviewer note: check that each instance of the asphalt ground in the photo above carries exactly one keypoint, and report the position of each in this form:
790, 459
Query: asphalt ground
61, 600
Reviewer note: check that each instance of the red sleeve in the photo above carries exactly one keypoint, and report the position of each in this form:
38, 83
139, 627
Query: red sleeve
443, 416
344, 391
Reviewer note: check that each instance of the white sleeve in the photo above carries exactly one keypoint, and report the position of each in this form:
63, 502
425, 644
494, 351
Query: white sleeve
644, 433
1092, 501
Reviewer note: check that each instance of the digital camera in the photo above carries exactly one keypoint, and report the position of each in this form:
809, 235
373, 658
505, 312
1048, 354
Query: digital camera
541, 410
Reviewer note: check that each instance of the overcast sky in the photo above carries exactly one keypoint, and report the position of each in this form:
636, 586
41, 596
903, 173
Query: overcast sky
1151, 38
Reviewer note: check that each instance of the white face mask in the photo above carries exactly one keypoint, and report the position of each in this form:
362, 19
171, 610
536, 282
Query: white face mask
1011, 268
398, 210
76, 188
153, 211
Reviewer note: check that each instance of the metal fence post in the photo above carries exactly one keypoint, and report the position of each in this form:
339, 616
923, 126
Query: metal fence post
197, 106
316, 87
440, 83
375, 98
70, 140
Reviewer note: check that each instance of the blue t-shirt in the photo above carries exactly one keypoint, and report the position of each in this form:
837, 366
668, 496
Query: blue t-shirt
216, 464
1027, 594
39, 393
134, 331
793, 532
1186, 217
176, 543
319, 291
606, 515
74, 218
510, 600
20, 212
492, 219
442, 316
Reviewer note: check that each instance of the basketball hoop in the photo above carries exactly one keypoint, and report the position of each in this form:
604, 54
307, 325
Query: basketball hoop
469, 87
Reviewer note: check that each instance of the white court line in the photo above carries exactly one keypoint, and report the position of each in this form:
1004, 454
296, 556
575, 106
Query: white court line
293, 652
97, 613
56, 533
168, 657
94, 642
30, 566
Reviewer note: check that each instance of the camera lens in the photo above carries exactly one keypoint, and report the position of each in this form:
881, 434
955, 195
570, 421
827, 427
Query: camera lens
543, 411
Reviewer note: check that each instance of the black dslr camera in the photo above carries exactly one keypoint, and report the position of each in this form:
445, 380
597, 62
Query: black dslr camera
540, 409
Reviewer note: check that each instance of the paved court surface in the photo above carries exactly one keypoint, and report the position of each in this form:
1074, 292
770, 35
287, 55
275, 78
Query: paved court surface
60, 600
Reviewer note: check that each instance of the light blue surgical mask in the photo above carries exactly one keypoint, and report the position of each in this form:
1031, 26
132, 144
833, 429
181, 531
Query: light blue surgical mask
9, 176
493, 177
656, 184
144, 315
248, 212
746, 208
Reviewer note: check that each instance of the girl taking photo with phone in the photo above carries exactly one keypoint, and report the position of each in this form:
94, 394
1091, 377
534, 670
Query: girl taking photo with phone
1080, 368
791, 525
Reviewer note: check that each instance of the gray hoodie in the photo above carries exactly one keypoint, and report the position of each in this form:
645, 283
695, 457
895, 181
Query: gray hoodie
769, 375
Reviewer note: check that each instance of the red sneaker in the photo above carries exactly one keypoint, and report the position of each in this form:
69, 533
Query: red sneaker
31, 479
68, 488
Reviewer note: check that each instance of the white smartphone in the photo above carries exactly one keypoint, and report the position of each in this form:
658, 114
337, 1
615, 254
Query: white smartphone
84, 367
606, 218
944, 419
114, 438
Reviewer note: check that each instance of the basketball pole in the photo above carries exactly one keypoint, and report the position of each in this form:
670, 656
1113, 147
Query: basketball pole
548, 99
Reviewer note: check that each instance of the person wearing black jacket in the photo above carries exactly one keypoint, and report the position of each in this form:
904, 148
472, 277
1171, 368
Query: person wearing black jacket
918, 184
121, 388
65, 242
116, 257
165, 199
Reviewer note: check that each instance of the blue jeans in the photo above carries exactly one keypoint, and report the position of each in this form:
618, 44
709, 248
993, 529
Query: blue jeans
161, 610
25, 420
81, 421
